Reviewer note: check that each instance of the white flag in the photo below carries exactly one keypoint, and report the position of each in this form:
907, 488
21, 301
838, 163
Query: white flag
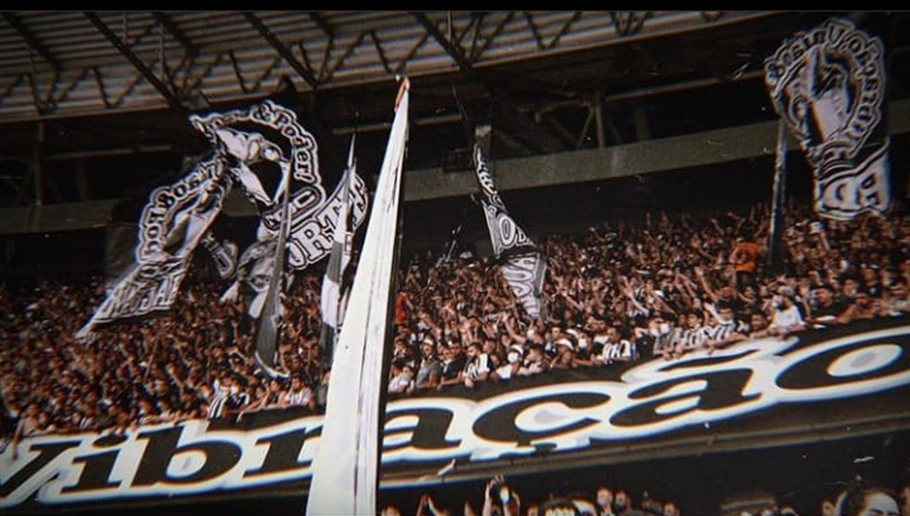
341, 250
345, 469
332, 298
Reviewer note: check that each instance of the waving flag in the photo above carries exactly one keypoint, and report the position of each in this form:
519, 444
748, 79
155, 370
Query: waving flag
333, 283
275, 161
828, 85
520, 260
268, 152
265, 151
346, 466
173, 222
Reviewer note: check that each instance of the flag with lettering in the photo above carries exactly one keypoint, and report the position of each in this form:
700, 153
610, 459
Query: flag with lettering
172, 223
332, 298
828, 85
521, 262
264, 151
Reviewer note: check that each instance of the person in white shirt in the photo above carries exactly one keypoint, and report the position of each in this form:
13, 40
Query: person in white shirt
509, 370
299, 394
786, 317
402, 377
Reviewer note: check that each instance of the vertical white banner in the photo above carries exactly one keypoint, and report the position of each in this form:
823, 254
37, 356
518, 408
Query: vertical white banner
345, 470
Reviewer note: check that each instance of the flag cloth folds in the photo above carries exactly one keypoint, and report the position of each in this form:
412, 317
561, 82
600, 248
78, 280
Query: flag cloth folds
270, 322
828, 84
265, 152
274, 160
521, 262
345, 469
171, 225
332, 298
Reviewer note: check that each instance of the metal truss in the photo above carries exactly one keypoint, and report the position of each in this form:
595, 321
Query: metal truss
66, 63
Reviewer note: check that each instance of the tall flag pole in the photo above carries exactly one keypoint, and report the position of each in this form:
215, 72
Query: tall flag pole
270, 321
345, 468
828, 85
521, 262
332, 298
775, 258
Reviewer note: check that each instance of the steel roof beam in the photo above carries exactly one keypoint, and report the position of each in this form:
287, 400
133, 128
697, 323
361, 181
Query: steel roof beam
321, 22
282, 49
179, 35
32, 40
440, 38
146, 72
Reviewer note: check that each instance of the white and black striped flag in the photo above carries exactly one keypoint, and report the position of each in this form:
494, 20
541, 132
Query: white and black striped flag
333, 292
521, 262
828, 85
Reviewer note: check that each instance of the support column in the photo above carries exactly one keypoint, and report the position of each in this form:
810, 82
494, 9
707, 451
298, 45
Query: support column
82, 181
598, 108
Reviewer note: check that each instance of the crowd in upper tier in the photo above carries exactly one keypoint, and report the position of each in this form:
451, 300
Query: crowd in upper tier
663, 285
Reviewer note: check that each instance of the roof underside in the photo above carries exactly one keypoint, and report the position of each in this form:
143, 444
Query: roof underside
81, 85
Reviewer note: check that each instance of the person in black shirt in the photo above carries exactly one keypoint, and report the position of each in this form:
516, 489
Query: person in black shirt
825, 306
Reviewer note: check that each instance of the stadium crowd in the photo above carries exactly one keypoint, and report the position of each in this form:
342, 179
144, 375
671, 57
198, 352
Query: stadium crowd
195, 361
667, 284
858, 497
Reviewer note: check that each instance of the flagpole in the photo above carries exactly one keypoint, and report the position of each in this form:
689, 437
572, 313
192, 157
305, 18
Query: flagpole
519, 258
777, 199
346, 210
332, 296
269, 329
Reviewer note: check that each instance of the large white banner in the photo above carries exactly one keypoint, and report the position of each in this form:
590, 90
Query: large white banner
345, 471
772, 389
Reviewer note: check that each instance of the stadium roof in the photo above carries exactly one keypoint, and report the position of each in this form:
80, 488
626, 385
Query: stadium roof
78, 86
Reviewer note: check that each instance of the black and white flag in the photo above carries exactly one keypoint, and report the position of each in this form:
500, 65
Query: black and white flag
275, 161
333, 292
269, 152
265, 151
828, 84
521, 262
173, 222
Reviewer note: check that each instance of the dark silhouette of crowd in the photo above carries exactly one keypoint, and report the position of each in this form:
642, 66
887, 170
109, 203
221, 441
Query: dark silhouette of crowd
501, 498
663, 284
